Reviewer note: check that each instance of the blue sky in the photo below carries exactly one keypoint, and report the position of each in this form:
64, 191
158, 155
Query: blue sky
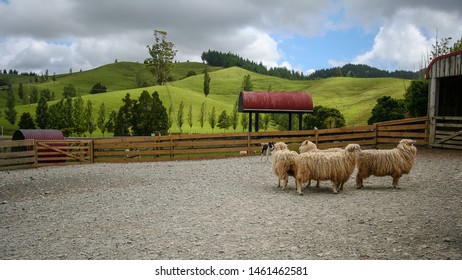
304, 35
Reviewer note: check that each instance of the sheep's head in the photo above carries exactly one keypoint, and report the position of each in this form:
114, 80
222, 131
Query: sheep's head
408, 145
407, 142
353, 148
307, 146
280, 146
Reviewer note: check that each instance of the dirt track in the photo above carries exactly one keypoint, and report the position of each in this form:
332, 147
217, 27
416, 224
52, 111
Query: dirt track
228, 209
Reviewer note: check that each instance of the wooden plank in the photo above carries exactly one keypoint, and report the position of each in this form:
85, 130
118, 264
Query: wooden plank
17, 154
448, 118
402, 134
403, 127
16, 143
16, 161
449, 125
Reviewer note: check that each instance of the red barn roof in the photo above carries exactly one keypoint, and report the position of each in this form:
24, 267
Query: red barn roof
275, 102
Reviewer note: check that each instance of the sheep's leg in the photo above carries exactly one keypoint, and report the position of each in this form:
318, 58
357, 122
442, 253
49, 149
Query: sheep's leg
286, 182
396, 182
359, 181
279, 182
317, 184
340, 187
308, 184
298, 184
334, 187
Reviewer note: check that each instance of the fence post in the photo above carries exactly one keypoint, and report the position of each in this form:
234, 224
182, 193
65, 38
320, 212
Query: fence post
35, 153
91, 151
376, 135
248, 144
316, 135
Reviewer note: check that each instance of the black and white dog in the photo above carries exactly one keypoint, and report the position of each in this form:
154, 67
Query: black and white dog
266, 149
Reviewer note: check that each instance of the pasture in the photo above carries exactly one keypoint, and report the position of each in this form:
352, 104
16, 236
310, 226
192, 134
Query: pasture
228, 209
353, 97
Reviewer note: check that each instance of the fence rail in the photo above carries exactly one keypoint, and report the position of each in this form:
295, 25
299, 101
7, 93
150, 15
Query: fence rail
203, 146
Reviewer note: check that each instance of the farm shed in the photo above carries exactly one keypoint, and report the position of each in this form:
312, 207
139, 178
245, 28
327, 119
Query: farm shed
445, 101
275, 102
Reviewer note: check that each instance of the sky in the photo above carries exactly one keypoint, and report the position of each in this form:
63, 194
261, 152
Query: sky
304, 35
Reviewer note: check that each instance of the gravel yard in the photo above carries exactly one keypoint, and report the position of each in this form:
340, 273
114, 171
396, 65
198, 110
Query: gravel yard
228, 209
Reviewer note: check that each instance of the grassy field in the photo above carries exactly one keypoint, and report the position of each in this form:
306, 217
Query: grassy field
354, 97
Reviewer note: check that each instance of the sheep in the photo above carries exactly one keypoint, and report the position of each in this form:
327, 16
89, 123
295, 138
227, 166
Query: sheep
394, 162
283, 163
336, 167
308, 146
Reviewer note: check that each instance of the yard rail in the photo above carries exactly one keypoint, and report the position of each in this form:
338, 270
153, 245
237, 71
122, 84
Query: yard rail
200, 146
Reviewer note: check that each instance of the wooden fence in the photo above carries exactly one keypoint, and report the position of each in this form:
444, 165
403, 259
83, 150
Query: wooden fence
203, 146
446, 132
33, 153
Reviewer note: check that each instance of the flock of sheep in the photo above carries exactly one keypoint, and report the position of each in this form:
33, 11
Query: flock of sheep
338, 164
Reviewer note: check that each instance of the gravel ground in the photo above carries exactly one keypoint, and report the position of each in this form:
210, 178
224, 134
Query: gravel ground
228, 209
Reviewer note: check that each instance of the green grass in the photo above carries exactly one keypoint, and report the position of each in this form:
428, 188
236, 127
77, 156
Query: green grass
354, 97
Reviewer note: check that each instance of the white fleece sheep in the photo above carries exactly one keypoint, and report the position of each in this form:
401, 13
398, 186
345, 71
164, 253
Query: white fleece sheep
309, 147
394, 162
283, 163
336, 167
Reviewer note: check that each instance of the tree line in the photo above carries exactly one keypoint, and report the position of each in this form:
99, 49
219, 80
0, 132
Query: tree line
220, 59
361, 71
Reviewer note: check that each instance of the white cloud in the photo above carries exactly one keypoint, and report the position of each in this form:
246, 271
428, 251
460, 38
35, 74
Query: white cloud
406, 38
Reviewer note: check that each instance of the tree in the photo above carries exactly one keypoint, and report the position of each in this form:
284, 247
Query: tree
101, 121
26, 121
34, 96
416, 98
170, 116
234, 117
69, 91
202, 115
457, 46
20, 91
162, 54
266, 121
10, 111
441, 47
247, 83
212, 118
90, 125
223, 120
98, 88
110, 124
387, 109
78, 116
160, 114
323, 117
41, 113
206, 82
245, 121
190, 118
180, 116
123, 118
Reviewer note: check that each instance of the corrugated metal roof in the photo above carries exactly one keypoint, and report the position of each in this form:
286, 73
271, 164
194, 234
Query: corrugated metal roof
275, 102
449, 68
38, 134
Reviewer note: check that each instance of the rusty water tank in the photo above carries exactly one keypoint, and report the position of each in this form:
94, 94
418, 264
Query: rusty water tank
38, 134
42, 134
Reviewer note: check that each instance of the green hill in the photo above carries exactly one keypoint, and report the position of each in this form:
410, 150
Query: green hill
354, 97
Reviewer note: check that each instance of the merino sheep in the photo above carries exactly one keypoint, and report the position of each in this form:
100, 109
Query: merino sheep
394, 162
336, 167
283, 163
309, 147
